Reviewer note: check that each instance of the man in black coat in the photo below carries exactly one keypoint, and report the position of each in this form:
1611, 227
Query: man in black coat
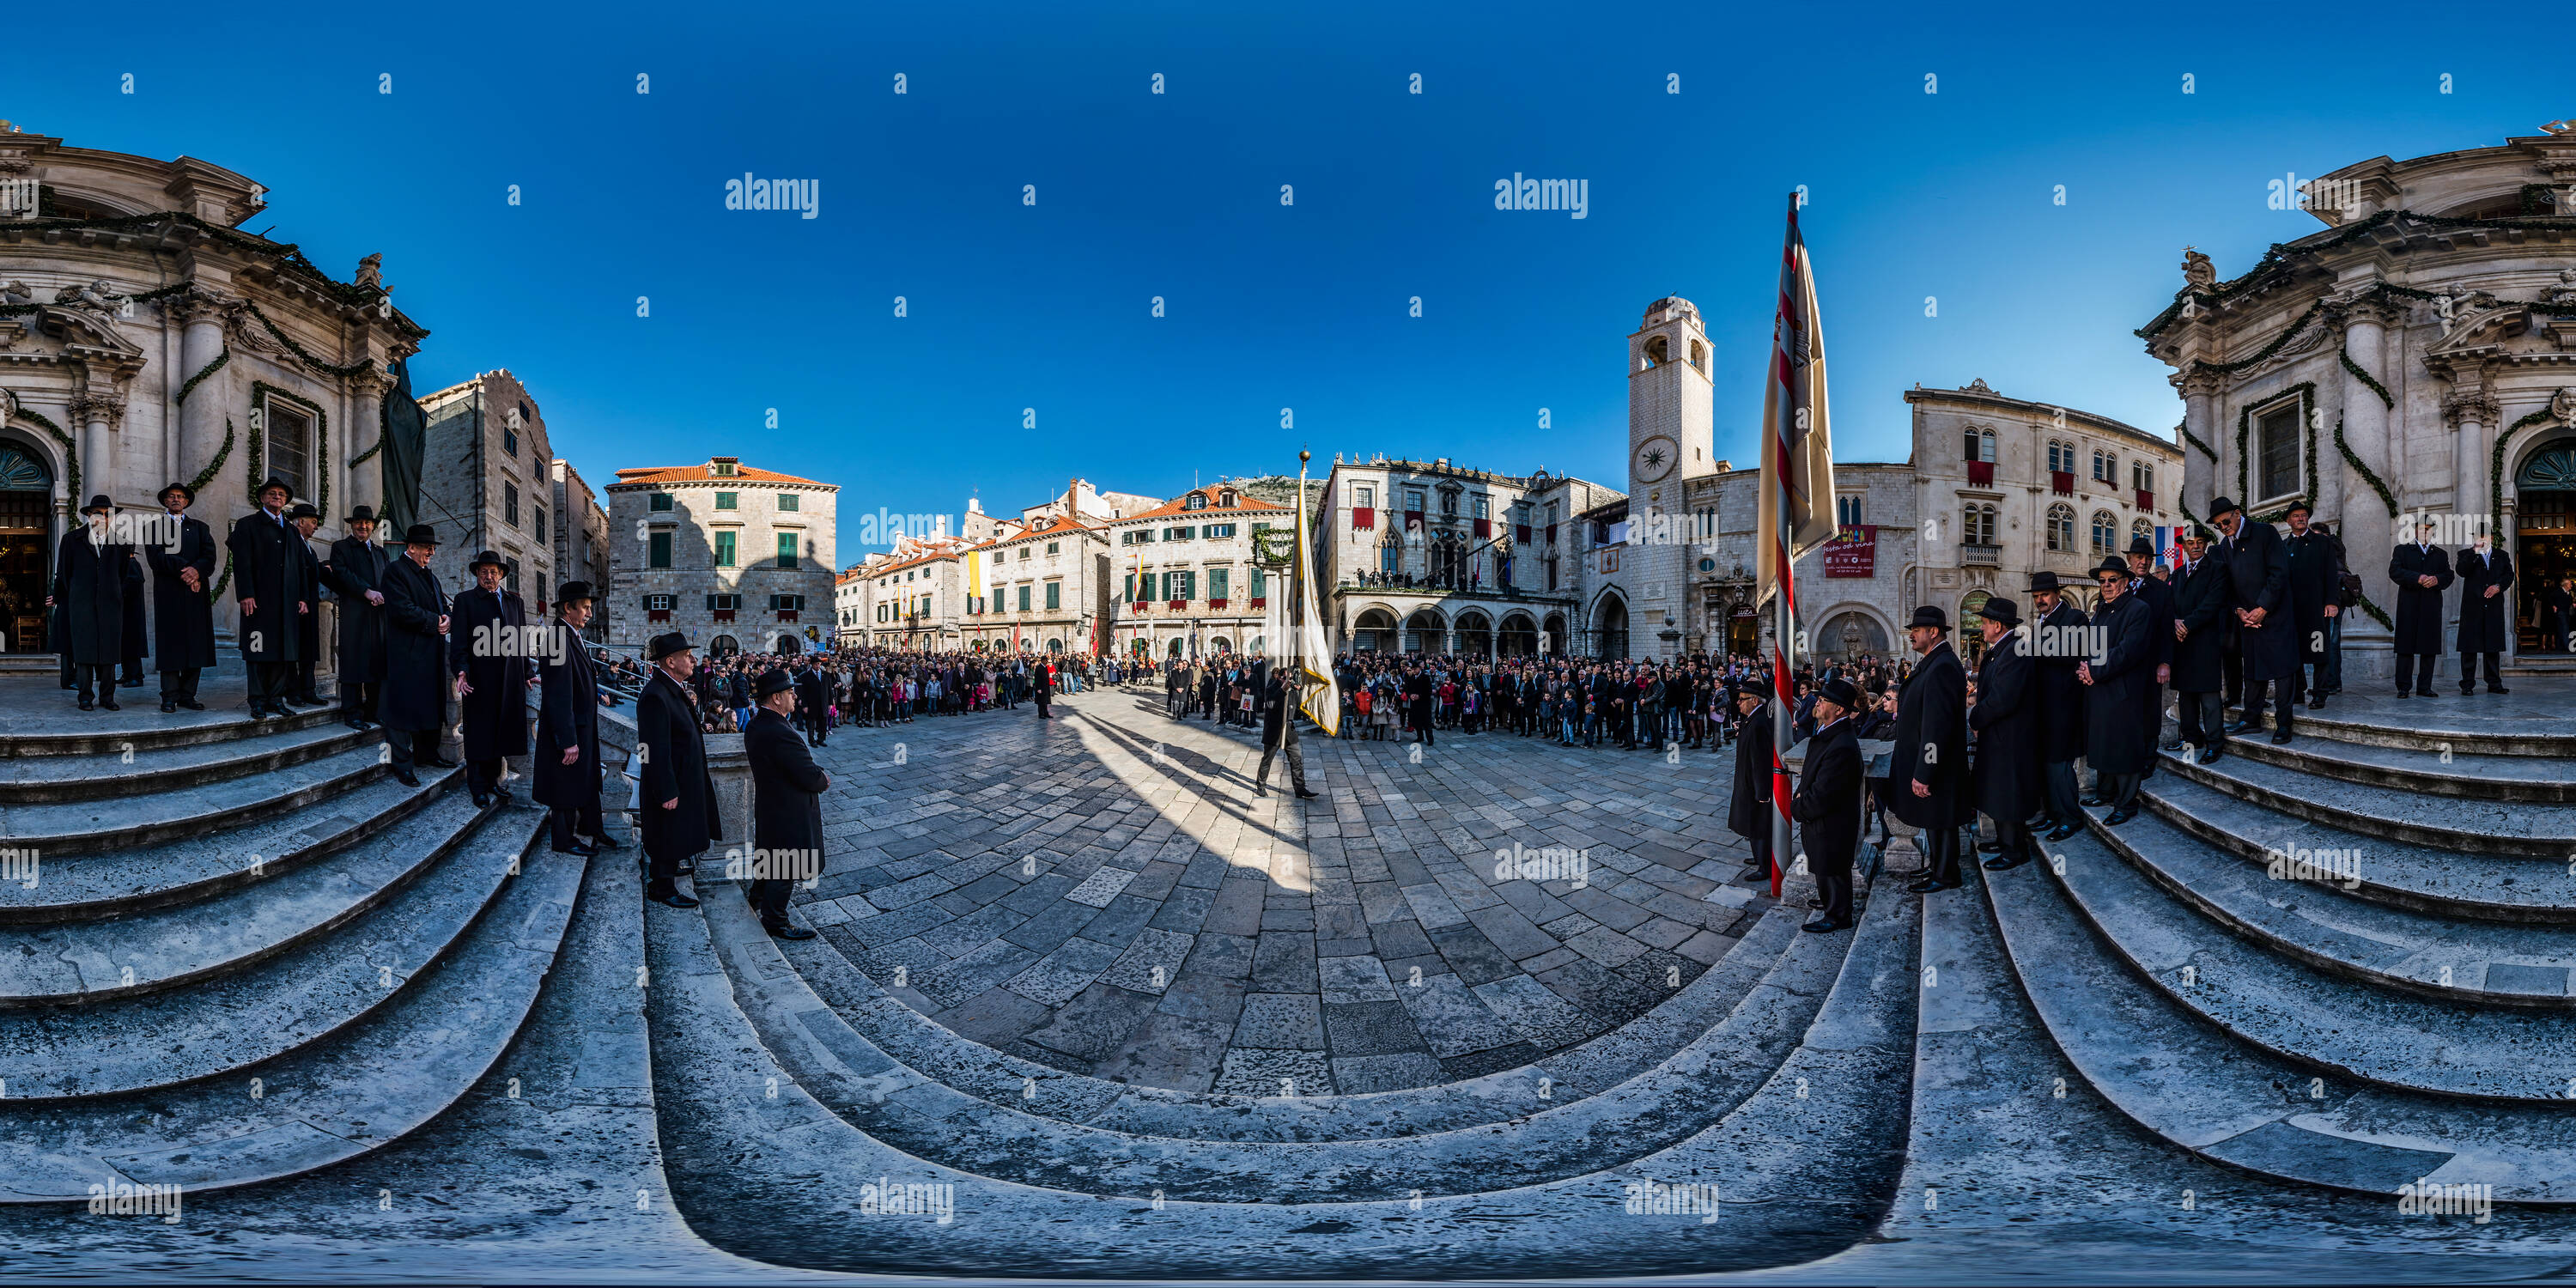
2158, 596
1927, 770
1827, 805
2200, 640
2486, 611
2421, 571
2062, 628
2558, 616
91, 573
679, 796
566, 762
1279, 735
270, 586
183, 618
1417, 703
786, 806
2006, 781
2113, 686
487, 653
2267, 640
1042, 687
1749, 808
138, 635
308, 626
413, 706
813, 700
2316, 584
356, 572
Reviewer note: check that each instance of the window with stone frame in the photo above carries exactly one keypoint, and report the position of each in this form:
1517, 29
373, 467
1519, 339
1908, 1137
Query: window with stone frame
2106, 532
2277, 466
288, 439
2061, 527
1979, 525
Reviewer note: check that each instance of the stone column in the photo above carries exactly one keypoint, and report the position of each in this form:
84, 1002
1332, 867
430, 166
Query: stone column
2363, 520
363, 482
2200, 402
97, 416
201, 418
2472, 412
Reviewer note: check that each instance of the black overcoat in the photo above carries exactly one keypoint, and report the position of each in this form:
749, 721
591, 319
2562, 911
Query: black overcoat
90, 598
2316, 580
356, 567
2258, 576
567, 716
2486, 623
269, 571
137, 644
673, 766
2200, 604
308, 625
1827, 801
2419, 608
2061, 695
414, 696
183, 620
2115, 703
487, 643
2007, 780
1748, 804
1931, 743
786, 792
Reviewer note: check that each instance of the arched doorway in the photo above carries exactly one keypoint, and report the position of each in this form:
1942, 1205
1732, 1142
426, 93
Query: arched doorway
723, 646
1517, 638
2544, 538
26, 547
1744, 631
1552, 638
1055, 646
787, 646
1971, 644
1176, 648
1610, 629
1375, 632
1475, 634
1851, 635
1423, 632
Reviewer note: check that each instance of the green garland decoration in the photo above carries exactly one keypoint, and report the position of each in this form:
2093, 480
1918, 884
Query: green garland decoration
71, 449
2367, 379
383, 418
208, 474
258, 459
2495, 464
2194, 440
286, 253
305, 355
222, 579
2300, 324
2274, 258
322, 471
2386, 497
2307, 392
221, 360
2376, 613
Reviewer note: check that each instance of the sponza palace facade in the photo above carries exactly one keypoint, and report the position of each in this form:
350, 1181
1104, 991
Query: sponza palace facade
145, 338
2416, 355
737, 558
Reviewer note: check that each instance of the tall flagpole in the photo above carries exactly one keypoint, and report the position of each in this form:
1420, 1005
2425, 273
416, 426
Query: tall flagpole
1785, 607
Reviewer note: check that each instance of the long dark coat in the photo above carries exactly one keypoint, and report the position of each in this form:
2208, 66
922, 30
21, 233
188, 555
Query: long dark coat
2486, 624
268, 571
2200, 604
2115, 702
567, 716
2419, 608
487, 644
414, 696
2158, 596
137, 643
356, 567
2316, 580
2007, 782
2258, 576
1931, 743
673, 767
308, 625
183, 620
1748, 805
1827, 801
90, 598
2061, 695
786, 790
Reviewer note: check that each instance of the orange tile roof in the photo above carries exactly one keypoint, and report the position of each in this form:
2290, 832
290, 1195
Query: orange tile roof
1179, 504
1055, 524
705, 473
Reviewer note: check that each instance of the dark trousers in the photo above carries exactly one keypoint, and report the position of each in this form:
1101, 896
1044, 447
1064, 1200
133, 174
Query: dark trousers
2469, 671
2065, 805
2013, 838
2120, 790
2203, 719
1941, 854
411, 746
769, 899
103, 675
2283, 697
1286, 748
179, 686
2231, 675
358, 701
2155, 722
573, 822
304, 690
1833, 886
661, 871
1043, 712
485, 775
268, 681
2334, 653
1761, 844
2406, 668
131, 673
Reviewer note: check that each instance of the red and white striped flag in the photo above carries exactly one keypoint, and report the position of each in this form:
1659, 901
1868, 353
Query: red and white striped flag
1797, 495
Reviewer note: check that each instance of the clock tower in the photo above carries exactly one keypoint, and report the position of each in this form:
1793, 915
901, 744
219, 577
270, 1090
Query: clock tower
1671, 408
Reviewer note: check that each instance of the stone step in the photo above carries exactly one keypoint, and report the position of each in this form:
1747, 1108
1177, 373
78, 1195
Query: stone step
88, 827
38, 729
2437, 770
2469, 826
762, 1169
2309, 919
259, 1011
99, 886
927, 1119
933, 1050
2309, 1015
2194, 1085
326, 1102
43, 779
94, 961
2529, 722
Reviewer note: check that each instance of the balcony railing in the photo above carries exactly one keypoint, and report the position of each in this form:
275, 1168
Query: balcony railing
1974, 556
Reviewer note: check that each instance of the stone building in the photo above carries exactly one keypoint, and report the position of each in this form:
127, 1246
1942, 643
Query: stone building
1856, 593
1187, 583
1044, 589
487, 483
581, 542
2415, 356
737, 558
916, 599
148, 338
1430, 556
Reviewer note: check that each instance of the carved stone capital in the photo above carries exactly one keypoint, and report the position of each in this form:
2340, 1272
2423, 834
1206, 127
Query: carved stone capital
198, 304
2471, 405
2194, 383
89, 407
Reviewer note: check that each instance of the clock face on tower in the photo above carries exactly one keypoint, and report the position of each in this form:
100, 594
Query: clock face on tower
1653, 459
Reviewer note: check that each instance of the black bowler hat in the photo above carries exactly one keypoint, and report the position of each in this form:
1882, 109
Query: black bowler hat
2297, 506
2219, 505
1840, 692
487, 557
180, 488
2001, 609
666, 644
275, 482
98, 503
2040, 581
572, 590
774, 680
420, 534
2141, 546
360, 514
1930, 615
2113, 564
304, 510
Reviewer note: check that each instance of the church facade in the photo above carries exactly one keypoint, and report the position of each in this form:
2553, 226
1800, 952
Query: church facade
2416, 356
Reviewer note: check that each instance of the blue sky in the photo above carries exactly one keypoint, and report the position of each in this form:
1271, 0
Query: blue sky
1047, 307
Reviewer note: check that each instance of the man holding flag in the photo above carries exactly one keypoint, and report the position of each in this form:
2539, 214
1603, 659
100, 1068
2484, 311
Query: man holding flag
1304, 681
1797, 492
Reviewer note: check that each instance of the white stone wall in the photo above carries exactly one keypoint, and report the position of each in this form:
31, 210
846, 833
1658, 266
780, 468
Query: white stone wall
694, 522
